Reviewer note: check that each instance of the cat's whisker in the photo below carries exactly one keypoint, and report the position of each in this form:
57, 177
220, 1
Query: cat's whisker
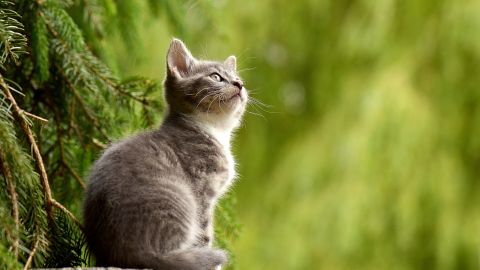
257, 114
260, 105
220, 104
253, 91
218, 95
198, 92
208, 95
259, 110
258, 102
198, 104
203, 89
246, 69
264, 110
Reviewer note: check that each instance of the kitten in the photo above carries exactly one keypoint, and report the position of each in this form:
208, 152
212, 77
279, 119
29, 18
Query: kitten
150, 198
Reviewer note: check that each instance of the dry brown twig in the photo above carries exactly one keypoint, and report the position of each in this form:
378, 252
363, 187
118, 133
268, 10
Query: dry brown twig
20, 118
66, 211
17, 113
35, 116
75, 175
98, 143
32, 254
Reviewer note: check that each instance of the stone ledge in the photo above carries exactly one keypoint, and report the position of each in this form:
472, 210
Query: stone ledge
88, 268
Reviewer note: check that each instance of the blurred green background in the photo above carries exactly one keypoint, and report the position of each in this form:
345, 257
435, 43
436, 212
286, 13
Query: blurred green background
368, 156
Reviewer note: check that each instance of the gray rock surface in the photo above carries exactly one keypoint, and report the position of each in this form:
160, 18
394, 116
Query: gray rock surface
87, 268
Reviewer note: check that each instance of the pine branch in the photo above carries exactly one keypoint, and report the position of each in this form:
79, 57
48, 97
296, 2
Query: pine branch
67, 245
75, 57
12, 40
74, 174
80, 67
49, 201
7, 261
144, 86
19, 116
70, 49
33, 218
67, 212
31, 115
14, 199
72, 125
83, 105
94, 15
31, 255
98, 143
63, 159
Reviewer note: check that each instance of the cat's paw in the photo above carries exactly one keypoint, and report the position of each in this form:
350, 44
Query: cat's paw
221, 255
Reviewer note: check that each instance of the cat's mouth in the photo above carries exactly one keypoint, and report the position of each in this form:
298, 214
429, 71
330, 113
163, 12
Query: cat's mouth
236, 95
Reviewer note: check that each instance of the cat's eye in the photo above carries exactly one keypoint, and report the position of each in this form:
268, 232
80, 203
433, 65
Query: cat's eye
216, 77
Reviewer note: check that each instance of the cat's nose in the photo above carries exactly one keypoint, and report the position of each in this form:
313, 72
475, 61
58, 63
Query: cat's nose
238, 84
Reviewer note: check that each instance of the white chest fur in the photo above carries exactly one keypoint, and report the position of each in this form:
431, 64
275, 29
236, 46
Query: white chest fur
222, 134
221, 128
223, 137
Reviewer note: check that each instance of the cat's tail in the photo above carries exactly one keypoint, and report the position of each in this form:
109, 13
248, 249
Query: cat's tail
202, 258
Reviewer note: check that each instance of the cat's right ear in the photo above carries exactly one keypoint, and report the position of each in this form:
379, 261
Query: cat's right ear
179, 59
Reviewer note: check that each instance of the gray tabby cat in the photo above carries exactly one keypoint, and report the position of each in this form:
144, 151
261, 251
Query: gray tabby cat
150, 198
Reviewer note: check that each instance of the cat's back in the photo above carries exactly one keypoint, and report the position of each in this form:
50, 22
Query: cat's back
131, 162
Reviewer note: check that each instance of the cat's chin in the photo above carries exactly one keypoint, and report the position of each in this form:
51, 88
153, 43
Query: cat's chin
236, 99
233, 102
231, 107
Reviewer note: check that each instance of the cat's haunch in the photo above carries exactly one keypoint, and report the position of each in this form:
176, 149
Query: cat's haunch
151, 197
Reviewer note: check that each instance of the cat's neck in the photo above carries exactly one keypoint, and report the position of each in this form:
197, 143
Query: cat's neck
220, 129
221, 134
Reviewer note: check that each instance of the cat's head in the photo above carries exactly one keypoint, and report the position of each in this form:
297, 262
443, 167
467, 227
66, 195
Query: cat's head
209, 90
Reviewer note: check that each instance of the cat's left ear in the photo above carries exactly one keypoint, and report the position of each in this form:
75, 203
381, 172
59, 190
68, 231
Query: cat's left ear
179, 59
231, 62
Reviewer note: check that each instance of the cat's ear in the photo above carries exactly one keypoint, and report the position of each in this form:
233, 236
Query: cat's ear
231, 62
179, 59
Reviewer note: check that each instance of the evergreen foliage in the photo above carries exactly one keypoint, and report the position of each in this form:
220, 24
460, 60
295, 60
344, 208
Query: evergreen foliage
60, 105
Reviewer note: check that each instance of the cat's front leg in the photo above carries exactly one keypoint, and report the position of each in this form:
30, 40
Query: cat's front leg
205, 236
208, 232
